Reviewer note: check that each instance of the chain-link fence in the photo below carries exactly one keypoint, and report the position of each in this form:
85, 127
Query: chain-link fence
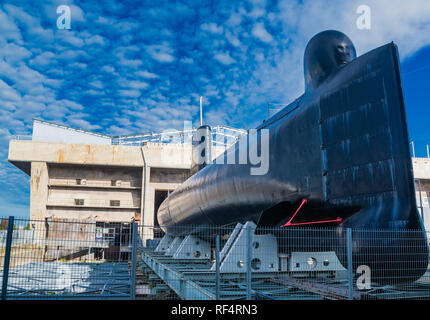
245, 262
66, 259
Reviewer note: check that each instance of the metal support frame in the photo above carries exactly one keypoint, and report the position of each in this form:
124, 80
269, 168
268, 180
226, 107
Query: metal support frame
229, 242
217, 273
193, 248
164, 243
324, 261
249, 232
174, 246
244, 252
10, 223
174, 273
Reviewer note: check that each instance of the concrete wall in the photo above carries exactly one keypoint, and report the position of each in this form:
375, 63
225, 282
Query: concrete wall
93, 197
95, 176
95, 190
422, 183
38, 190
421, 168
99, 215
31, 151
426, 219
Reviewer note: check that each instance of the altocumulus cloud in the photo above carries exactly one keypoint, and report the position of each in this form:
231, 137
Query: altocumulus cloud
128, 67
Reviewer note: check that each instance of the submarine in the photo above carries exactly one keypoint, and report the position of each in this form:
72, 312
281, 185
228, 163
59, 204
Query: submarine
339, 158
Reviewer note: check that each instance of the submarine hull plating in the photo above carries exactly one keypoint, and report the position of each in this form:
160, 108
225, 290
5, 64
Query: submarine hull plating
344, 148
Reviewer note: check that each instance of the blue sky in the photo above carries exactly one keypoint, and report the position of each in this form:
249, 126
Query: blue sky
129, 67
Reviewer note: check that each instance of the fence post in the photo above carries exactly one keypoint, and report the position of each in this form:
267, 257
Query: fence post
133, 262
10, 222
217, 265
421, 200
120, 242
248, 263
350, 267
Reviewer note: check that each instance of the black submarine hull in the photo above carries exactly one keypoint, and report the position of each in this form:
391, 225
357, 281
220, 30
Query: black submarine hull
344, 148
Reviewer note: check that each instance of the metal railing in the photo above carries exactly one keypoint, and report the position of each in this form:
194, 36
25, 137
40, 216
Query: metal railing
22, 137
221, 135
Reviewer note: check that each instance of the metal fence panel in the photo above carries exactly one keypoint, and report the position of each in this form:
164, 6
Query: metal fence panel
63, 259
282, 263
66, 259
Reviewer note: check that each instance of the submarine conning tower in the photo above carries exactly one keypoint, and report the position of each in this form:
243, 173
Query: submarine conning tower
201, 148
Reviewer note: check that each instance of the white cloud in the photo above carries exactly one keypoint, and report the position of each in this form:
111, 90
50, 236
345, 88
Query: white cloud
105, 20
187, 60
31, 23
233, 39
97, 84
78, 65
129, 63
8, 94
161, 53
212, 28
8, 28
70, 104
13, 53
54, 83
71, 55
126, 26
81, 123
95, 40
108, 69
146, 74
406, 23
260, 32
70, 38
120, 131
76, 14
92, 92
132, 84
43, 59
129, 93
224, 58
